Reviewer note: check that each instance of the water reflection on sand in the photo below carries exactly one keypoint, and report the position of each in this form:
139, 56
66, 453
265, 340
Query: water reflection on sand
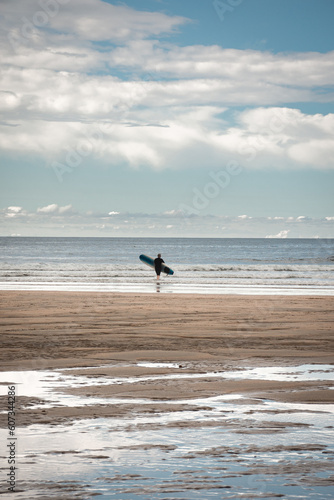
228, 446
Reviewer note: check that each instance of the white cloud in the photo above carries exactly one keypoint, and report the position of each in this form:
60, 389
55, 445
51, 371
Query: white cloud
314, 152
49, 209
174, 213
305, 70
97, 20
55, 209
66, 209
281, 234
278, 136
12, 212
63, 97
53, 221
92, 20
260, 138
63, 42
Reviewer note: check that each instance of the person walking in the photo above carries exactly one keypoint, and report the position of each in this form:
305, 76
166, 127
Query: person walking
157, 265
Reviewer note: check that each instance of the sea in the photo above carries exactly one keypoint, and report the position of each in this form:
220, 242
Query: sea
200, 265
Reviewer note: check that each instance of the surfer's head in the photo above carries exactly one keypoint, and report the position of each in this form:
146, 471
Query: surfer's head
159, 255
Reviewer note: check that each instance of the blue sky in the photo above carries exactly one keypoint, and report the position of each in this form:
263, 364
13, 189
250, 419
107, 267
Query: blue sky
167, 118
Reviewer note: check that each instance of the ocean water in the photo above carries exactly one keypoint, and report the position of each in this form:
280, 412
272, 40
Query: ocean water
201, 265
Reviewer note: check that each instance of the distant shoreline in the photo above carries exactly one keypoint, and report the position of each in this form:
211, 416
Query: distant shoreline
153, 288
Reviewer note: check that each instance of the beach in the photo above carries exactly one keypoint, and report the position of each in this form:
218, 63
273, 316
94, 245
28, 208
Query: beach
152, 364
48, 330
64, 329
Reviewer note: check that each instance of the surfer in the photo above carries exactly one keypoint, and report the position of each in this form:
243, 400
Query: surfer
157, 265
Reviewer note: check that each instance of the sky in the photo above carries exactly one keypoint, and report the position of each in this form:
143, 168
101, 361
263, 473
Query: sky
198, 118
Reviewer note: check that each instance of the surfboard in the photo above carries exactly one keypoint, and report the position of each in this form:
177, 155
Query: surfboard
150, 262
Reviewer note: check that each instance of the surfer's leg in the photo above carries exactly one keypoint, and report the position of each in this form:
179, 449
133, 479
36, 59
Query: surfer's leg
158, 271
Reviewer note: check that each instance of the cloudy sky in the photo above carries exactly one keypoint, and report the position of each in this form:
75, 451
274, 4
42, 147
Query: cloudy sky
167, 118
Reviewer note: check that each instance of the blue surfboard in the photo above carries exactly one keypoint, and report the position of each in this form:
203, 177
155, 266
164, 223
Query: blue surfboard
150, 262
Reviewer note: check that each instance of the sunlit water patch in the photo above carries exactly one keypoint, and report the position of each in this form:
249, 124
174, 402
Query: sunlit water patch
48, 384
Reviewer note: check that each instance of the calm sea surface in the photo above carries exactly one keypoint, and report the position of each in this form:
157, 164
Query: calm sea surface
261, 266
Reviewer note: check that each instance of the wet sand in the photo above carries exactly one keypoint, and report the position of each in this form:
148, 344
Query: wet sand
48, 330
65, 329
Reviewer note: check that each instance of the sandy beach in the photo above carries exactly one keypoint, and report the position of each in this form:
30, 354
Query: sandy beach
48, 330
170, 379
65, 329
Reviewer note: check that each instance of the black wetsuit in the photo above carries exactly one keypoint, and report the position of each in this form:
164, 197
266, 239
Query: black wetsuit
157, 265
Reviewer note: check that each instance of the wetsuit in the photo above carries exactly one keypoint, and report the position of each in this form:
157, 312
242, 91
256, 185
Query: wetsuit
157, 265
